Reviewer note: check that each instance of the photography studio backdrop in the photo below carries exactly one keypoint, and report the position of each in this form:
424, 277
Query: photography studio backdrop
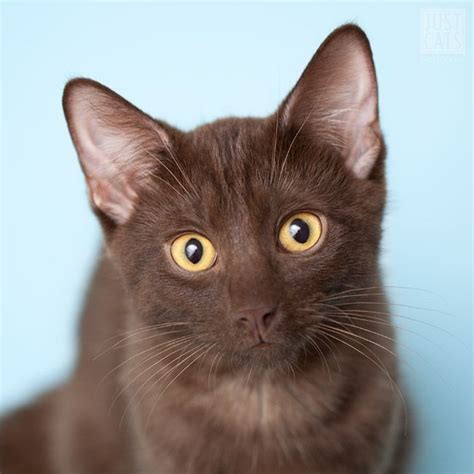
188, 63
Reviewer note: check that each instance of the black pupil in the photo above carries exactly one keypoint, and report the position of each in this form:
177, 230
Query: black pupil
194, 250
299, 230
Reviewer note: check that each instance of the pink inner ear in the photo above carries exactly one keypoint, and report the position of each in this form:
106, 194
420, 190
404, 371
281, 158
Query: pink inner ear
116, 200
115, 142
363, 135
364, 153
108, 188
362, 126
335, 100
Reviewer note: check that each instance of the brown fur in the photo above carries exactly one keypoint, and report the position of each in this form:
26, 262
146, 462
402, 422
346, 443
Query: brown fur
294, 407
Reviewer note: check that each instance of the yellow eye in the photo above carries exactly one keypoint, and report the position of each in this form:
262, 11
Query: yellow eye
300, 232
193, 252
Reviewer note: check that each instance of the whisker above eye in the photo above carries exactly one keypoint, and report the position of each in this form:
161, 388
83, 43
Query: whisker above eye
185, 176
184, 198
283, 166
178, 181
275, 145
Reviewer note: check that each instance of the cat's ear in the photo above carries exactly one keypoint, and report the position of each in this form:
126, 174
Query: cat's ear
335, 100
117, 145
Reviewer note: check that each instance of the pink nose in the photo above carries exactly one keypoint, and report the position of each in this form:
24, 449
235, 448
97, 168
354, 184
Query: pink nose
256, 320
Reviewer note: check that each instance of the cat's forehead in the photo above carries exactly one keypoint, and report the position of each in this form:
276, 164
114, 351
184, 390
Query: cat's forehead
227, 158
253, 156
239, 170
223, 167
229, 142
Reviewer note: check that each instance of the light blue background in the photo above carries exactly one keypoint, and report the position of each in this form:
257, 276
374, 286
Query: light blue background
193, 63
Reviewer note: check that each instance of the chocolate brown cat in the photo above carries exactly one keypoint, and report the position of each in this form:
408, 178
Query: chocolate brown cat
236, 322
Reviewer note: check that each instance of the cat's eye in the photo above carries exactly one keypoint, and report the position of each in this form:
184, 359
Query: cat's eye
300, 232
193, 252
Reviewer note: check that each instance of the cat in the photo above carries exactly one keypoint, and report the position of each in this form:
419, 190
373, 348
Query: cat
236, 321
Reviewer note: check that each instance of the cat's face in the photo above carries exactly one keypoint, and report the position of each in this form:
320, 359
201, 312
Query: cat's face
237, 231
248, 283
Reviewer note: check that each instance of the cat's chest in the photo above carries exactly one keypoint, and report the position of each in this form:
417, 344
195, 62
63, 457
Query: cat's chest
259, 424
266, 407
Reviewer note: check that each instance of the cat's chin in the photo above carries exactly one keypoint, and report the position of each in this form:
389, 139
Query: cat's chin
263, 357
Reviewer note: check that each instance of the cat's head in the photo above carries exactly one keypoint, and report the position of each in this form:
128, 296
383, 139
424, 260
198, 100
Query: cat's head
239, 229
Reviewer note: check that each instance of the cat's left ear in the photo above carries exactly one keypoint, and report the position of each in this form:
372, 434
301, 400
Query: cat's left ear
335, 102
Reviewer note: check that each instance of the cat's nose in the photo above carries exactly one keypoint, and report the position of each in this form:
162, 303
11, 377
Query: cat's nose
256, 320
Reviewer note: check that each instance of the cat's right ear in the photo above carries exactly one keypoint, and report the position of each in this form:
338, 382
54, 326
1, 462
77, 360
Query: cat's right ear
117, 145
